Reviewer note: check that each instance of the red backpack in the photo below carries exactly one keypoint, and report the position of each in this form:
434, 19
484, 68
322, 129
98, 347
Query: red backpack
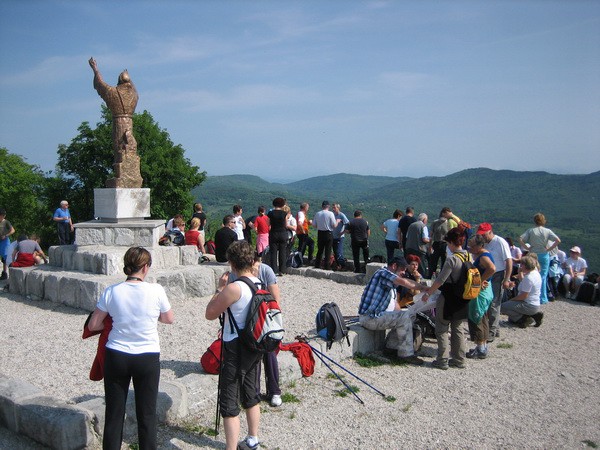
211, 359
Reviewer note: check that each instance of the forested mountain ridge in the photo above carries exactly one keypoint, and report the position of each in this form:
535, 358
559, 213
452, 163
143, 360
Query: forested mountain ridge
506, 198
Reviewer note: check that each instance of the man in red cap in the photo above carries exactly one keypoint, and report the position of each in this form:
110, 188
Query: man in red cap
500, 251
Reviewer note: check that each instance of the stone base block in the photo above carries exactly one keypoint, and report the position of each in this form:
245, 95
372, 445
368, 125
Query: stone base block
143, 233
118, 204
371, 269
366, 341
54, 423
11, 392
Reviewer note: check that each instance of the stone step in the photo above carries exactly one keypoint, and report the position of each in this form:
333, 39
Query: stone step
82, 289
104, 260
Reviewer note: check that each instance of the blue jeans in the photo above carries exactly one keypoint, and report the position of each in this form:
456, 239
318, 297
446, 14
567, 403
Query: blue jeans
544, 260
338, 251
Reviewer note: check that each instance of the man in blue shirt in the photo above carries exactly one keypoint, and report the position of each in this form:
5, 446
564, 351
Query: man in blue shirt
338, 236
64, 224
379, 309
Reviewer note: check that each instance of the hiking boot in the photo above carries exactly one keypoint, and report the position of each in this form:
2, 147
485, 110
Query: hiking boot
412, 359
476, 353
524, 321
243, 445
276, 400
538, 318
440, 364
456, 364
4, 276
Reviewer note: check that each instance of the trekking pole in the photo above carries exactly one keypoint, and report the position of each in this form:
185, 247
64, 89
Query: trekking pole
217, 416
337, 376
346, 370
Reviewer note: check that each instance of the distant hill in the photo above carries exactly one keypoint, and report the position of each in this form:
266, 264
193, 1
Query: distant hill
508, 199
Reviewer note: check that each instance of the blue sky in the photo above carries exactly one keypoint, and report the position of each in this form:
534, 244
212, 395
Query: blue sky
292, 89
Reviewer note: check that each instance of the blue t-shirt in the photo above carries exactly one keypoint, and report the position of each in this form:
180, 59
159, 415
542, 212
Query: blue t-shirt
391, 225
62, 213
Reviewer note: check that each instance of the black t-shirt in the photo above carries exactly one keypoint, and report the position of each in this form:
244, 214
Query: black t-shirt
405, 222
224, 237
359, 229
277, 218
248, 230
202, 217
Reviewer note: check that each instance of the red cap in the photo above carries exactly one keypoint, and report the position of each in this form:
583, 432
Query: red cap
484, 228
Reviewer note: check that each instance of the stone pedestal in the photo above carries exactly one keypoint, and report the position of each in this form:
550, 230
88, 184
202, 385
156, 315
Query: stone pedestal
127, 233
121, 204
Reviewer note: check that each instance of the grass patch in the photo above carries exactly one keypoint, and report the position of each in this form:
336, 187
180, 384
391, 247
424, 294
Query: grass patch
407, 407
134, 446
286, 397
292, 384
292, 416
367, 361
390, 398
504, 345
346, 391
590, 444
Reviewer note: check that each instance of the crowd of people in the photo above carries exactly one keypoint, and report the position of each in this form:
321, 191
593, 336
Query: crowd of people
424, 273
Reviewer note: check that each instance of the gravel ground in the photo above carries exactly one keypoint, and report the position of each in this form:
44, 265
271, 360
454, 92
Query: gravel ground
539, 388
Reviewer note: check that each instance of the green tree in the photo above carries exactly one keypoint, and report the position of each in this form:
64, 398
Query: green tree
21, 191
86, 164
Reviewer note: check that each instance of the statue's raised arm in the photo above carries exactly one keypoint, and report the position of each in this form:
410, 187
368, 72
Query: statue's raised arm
121, 100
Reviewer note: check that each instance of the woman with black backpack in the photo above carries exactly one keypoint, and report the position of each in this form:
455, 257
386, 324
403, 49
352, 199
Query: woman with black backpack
451, 309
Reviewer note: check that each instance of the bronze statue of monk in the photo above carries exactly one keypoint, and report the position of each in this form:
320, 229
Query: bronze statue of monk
121, 100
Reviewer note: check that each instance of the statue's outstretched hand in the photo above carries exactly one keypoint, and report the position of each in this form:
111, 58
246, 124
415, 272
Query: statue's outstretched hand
93, 64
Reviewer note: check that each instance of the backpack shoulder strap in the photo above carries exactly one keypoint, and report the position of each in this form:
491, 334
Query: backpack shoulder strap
251, 284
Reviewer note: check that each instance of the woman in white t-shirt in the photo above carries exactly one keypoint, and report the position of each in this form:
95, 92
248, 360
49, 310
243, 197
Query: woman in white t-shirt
239, 365
132, 350
526, 304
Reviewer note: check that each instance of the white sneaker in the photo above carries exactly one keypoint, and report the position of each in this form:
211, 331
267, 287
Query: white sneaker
276, 400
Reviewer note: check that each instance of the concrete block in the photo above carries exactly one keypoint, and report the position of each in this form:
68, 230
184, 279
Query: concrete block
124, 237
68, 253
318, 273
18, 277
98, 408
347, 277
90, 236
90, 290
11, 392
68, 289
52, 287
189, 255
54, 423
371, 269
201, 390
199, 281
174, 284
55, 255
172, 401
34, 284
366, 341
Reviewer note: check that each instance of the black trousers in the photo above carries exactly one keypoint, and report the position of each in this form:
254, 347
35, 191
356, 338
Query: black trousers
64, 233
324, 245
304, 242
356, 246
438, 254
119, 369
278, 251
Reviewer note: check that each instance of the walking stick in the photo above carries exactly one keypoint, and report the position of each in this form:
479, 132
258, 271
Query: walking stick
346, 370
217, 416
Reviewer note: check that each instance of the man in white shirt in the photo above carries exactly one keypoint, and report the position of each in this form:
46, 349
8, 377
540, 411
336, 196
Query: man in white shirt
500, 251
324, 221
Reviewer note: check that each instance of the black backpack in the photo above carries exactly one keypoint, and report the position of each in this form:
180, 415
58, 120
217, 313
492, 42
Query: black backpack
295, 260
331, 325
173, 238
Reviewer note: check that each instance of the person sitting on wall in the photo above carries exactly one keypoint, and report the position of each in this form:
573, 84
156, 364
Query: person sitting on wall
28, 252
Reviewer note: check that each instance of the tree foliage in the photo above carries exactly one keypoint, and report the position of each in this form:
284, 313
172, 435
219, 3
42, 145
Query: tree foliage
86, 163
22, 188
